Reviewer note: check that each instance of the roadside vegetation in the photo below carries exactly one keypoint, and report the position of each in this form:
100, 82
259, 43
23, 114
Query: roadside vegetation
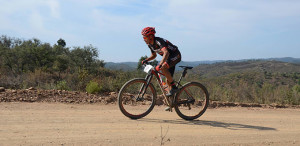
32, 63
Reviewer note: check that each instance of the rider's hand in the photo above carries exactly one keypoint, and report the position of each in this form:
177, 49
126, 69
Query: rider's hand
144, 61
157, 68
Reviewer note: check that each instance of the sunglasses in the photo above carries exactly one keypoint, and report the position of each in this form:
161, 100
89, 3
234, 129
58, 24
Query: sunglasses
145, 37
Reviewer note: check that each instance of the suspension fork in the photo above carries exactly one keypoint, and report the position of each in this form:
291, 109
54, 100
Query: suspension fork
144, 87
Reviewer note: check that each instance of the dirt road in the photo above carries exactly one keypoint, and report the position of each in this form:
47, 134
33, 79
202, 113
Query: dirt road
86, 124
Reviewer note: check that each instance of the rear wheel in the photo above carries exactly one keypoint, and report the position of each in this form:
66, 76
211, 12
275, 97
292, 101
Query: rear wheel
191, 101
135, 99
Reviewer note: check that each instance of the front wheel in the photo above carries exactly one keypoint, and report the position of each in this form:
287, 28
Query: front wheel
191, 101
135, 99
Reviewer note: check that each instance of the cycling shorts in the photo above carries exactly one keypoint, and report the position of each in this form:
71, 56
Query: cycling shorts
172, 61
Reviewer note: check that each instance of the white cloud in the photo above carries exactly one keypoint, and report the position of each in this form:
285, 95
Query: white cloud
110, 24
25, 9
228, 19
30, 18
36, 22
54, 8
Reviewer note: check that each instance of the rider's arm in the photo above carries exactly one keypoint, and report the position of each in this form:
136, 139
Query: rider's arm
165, 56
153, 56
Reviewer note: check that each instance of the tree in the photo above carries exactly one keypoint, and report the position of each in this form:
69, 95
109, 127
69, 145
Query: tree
61, 42
86, 58
154, 62
6, 51
61, 63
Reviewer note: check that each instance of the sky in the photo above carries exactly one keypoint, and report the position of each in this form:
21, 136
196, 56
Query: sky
202, 29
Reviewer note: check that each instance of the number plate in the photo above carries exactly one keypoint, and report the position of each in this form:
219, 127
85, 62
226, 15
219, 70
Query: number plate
148, 68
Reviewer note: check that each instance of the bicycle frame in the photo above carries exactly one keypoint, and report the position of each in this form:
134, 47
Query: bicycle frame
191, 95
157, 74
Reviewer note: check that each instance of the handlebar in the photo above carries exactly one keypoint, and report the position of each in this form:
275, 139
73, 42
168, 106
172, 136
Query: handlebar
146, 63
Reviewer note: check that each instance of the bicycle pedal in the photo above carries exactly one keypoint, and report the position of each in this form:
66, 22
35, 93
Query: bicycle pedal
168, 109
191, 100
140, 99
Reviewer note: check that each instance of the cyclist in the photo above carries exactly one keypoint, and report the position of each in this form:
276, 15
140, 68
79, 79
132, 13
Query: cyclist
170, 56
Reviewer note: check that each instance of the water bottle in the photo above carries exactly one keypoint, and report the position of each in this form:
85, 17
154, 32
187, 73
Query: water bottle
164, 84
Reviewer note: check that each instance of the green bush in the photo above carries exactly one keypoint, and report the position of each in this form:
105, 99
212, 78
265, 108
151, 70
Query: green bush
93, 87
296, 88
62, 85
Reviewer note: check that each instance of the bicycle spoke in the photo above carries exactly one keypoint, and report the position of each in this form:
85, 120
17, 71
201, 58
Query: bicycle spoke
136, 99
192, 101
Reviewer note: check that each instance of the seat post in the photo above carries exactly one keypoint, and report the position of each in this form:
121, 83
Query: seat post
182, 75
185, 68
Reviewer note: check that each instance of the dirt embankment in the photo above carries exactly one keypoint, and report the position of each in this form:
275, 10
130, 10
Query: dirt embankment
62, 96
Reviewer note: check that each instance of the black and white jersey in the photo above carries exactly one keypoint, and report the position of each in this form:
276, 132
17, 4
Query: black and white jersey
160, 43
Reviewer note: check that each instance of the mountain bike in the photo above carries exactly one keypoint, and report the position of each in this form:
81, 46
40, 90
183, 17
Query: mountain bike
137, 97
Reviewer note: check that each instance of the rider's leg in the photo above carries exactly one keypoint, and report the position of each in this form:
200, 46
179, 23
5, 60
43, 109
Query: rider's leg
167, 74
171, 70
166, 70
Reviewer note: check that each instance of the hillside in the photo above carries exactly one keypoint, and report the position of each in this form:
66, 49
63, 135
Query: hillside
31, 63
129, 66
224, 68
256, 81
125, 66
286, 59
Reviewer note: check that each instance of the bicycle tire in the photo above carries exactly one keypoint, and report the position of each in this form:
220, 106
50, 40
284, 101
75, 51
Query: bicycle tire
201, 102
139, 109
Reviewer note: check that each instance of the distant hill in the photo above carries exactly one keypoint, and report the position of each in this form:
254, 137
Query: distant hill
286, 59
224, 68
127, 66
196, 63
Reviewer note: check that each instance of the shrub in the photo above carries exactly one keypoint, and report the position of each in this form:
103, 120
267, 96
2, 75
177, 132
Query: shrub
296, 88
62, 85
93, 87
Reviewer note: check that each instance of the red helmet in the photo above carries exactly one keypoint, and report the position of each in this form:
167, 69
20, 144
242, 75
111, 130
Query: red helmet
148, 30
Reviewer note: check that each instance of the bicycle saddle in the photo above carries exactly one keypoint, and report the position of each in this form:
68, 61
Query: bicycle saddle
186, 67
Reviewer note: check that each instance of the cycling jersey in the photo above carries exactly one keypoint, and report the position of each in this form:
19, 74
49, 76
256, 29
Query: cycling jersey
174, 56
160, 43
